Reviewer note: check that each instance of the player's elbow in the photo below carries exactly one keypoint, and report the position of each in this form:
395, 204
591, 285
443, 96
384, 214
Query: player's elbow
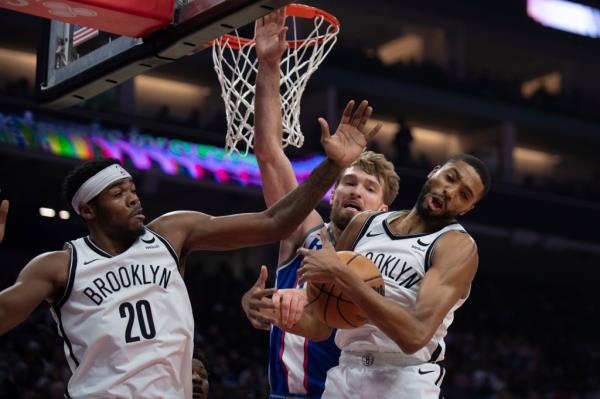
413, 342
410, 348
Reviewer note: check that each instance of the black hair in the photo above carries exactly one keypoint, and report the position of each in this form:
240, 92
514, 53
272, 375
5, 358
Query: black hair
480, 167
81, 174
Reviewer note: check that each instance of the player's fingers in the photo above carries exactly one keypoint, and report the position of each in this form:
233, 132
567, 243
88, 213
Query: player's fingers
357, 116
295, 302
374, 131
298, 311
325, 241
303, 271
325, 133
304, 252
280, 14
365, 118
347, 115
263, 276
263, 295
286, 302
277, 304
261, 323
282, 34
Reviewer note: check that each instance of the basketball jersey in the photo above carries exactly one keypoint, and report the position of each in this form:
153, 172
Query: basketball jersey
298, 366
403, 261
126, 322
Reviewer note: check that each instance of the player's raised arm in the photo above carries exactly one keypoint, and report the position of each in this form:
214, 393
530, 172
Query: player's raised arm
277, 174
275, 168
190, 231
41, 279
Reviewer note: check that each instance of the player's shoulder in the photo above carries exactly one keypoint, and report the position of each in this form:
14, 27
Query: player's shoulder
453, 238
456, 246
51, 265
353, 231
176, 219
52, 258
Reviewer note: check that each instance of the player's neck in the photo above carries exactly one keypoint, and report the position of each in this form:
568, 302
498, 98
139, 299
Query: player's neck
334, 231
109, 243
413, 223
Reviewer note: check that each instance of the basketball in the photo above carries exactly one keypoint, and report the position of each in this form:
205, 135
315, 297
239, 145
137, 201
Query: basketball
334, 307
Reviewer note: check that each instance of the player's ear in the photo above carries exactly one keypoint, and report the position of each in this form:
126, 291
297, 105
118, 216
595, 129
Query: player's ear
331, 197
87, 212
437, 167
383, 208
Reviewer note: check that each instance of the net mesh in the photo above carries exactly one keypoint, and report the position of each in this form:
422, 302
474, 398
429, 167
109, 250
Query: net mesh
236, 66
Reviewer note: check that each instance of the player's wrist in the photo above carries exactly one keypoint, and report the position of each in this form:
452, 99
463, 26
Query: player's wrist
270, 65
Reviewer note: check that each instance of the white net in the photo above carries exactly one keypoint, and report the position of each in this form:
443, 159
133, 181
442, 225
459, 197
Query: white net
236, 66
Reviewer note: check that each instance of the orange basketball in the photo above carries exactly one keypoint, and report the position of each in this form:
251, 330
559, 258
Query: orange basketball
334, 307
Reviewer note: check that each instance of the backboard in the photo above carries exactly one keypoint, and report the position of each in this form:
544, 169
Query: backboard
76, 63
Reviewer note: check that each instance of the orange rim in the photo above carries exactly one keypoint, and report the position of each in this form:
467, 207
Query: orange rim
294, 10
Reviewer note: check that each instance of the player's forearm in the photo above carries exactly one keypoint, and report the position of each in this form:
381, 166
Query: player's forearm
409, 333
267, 105
310, 326
10, 316
287, 214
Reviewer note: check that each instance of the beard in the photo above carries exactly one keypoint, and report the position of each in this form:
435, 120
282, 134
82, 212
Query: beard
119, 231
339, 218
425, 213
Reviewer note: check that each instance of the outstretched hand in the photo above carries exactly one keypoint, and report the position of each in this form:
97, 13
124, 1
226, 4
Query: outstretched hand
258, 308
3, 216
351, 136
269, 34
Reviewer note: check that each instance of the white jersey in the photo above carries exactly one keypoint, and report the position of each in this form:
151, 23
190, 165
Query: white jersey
126, 322
403, 261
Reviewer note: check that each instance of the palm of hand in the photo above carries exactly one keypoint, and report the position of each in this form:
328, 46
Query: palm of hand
345, 145
268, 45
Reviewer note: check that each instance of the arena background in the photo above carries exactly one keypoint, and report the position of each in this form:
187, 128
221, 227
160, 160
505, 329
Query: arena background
445, 77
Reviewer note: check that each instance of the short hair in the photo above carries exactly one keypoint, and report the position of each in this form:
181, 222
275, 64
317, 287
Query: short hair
479, 166
81, 174
376, 165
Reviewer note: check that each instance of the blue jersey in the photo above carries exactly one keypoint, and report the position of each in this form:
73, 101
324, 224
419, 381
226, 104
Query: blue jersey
298, 366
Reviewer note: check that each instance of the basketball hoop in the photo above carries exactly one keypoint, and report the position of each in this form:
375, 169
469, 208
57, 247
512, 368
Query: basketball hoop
236, 66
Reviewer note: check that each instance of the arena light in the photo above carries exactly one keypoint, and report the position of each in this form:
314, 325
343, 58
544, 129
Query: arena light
64, 215
409, 47
17, 64
551, 83
47, 212
567, 16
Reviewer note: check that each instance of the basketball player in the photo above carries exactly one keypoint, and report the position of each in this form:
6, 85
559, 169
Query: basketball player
200, 382
3, 216
297, 366
428, 262
117, 295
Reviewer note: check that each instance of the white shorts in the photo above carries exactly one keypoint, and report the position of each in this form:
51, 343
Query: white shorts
381, 376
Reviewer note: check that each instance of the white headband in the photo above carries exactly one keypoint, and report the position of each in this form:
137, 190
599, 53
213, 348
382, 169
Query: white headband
95, 184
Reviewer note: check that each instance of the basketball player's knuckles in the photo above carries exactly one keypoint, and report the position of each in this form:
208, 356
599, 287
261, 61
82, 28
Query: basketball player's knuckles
109, 282
395, 268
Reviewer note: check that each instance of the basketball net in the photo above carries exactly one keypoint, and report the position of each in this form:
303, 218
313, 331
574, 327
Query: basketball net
236, 66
